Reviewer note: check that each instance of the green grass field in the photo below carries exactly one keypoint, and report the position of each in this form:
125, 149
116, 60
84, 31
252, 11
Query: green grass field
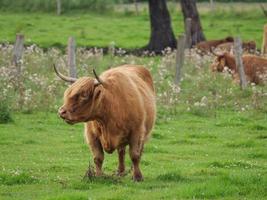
125, 28
209, 143
188, 157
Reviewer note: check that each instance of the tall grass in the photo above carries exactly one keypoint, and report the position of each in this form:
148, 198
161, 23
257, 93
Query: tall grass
200, 92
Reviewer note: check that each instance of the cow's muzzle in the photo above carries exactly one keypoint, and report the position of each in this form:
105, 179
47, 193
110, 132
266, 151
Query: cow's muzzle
62, 112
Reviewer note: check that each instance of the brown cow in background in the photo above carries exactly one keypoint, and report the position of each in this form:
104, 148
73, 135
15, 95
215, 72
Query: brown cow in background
249, 47
255, 67
118, 109
206, 46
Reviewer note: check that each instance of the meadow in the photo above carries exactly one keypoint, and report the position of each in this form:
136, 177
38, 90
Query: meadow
92, 29
209, 140
188, 157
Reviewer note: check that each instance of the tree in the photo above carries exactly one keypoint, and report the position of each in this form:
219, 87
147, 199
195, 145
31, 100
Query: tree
161, 35
189, 9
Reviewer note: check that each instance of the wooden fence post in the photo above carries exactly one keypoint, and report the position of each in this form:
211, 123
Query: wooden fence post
17, 52
239, 62
136, 7
188, 27
16, 61
264, 41
58, 7
72, 58
179, 58
111, 49
212, 6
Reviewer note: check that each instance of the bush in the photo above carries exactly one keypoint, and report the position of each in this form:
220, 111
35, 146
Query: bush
5, 115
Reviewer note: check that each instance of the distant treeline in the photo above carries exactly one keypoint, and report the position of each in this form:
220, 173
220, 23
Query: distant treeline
229, 1
67, 5
50, 5
252, 1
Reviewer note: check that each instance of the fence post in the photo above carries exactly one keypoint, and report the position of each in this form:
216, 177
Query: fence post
188, 27
136, 7
239, 62
17, 53
71, 58
16, 61
212, 6
179, 58
58, 7
111, 49
264, 41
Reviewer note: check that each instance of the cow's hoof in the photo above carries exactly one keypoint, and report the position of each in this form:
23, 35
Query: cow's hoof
138, 178
89, 173
120, 173
97, 174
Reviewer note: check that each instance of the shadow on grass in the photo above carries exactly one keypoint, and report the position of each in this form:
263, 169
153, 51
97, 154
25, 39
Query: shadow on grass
257, 155
234, 164
70, 197
243, 144
258, 127
184, 141
171, 177
17, 179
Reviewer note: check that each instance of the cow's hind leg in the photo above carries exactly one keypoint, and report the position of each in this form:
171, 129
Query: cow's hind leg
136, 148
121, 167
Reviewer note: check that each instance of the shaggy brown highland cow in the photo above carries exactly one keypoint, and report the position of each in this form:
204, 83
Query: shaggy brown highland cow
118, 109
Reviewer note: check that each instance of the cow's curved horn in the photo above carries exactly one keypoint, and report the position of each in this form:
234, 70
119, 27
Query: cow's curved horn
99, 81
63, 77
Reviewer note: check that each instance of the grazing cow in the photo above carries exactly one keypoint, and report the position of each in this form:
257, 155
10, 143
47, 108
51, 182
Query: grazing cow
118, 109
249, 47
206, 46
255, 67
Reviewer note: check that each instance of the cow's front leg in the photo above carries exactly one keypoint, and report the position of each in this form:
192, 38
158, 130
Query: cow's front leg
136, 148
121, 167
98, 154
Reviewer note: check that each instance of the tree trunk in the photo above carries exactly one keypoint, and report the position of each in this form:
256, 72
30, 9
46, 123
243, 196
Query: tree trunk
189, 9
161, 35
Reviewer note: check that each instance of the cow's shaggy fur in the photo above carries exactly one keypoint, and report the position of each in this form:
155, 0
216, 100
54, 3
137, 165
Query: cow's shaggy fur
206, 46
121, 111
255, 67
249, 47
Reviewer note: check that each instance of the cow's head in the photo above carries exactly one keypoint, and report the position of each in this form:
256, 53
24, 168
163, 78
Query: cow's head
81, 99
249, 46
219, 63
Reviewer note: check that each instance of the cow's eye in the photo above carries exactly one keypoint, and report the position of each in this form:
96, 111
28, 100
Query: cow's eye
83, 96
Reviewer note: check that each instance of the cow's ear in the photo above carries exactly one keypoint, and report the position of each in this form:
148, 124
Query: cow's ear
97, 93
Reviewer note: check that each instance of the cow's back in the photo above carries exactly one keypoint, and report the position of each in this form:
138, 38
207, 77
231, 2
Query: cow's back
255, 68
134, 94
